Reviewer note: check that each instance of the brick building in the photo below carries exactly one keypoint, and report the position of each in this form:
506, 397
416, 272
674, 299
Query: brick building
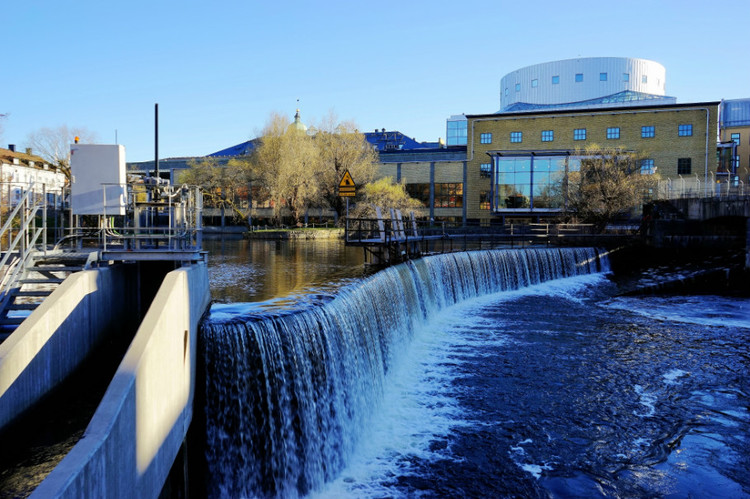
517, 157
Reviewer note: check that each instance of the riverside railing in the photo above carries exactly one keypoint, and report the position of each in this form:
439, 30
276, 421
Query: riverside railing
718, 186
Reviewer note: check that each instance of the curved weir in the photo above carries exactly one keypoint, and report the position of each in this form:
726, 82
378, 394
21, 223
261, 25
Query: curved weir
289, 393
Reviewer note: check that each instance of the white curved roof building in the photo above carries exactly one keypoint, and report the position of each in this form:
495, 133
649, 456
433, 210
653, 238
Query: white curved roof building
584, 82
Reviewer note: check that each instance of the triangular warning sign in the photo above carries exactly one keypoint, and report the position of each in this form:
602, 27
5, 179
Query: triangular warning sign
346, 180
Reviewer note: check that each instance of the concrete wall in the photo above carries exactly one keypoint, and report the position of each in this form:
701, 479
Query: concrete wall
137, 430
87, 307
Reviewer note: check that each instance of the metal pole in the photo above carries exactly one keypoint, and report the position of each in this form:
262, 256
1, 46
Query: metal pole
156, 140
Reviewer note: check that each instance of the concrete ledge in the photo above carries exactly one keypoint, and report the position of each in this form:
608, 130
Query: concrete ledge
58, 336
137, 430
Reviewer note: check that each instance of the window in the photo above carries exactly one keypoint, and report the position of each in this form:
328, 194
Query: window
648, 132
506, 91
555, 79
644, 79
579, 134
602, 76
579, 77
647, 167
613, 132
420, 192
485, 138
484, 200
449, 195
485, 170
684, 166
685, 130
518, 87
626, 77
516, 137
548, 135
735, 137
534, 83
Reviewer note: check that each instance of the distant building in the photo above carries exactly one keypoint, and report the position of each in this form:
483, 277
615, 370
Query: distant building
19, 171
582, 83
587, 82
735, 127
518, 157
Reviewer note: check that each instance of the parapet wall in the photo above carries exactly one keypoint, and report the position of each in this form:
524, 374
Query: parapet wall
135, 434
52, 342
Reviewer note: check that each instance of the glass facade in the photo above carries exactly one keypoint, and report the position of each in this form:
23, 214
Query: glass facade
456, 132
531, 182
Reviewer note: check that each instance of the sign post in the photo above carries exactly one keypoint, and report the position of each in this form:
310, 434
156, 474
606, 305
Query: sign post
347, 189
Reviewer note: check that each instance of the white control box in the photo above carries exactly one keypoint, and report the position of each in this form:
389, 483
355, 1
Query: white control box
98, 179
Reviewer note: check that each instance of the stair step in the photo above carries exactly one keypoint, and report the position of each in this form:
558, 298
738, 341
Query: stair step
52, 268
22, 306
11, 321
33, 292
41, 281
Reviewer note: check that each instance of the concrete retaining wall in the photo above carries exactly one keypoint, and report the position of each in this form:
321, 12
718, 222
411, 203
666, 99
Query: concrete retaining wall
137, 430
87, 307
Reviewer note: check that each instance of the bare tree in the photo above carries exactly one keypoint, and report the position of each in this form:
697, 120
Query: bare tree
342, 148
609, 184
224, 186
53, 144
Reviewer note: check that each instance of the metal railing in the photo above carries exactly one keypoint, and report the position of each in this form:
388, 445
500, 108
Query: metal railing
24, 210
156, 217
718, 186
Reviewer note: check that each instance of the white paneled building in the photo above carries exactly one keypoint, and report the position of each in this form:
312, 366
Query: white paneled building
593, 82
19, 171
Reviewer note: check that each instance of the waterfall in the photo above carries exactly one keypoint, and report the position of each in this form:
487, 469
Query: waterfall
288, 393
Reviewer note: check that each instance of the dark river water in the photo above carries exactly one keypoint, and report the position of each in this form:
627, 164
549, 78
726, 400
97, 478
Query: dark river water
559, 389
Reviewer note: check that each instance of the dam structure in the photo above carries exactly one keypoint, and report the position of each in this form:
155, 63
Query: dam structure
289, 393
139, 288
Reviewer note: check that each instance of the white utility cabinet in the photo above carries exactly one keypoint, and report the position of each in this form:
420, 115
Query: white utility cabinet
98, 179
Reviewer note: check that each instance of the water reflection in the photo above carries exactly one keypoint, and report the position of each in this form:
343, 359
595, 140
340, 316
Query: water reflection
279, 273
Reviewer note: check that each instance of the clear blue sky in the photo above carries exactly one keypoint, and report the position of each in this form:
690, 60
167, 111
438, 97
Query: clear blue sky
218, 69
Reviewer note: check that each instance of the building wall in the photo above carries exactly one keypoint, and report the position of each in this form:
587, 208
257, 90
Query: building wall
743, 150
664, 148
534, 84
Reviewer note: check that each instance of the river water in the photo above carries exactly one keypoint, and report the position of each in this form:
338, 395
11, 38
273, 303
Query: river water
550, 387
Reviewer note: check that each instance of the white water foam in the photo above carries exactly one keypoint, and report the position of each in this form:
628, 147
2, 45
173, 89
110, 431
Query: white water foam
418, 407
707, 310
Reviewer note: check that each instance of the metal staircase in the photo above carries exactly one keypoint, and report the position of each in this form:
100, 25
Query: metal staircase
28, 271
39, 278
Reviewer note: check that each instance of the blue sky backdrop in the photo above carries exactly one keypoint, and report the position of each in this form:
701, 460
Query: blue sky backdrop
218, 69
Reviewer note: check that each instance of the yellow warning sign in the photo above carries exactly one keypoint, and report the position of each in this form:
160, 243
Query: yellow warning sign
347, 187
347, 181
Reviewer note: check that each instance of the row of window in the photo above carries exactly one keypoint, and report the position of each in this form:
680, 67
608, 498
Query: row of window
613, 133
684, 167
579, 79
448, 195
